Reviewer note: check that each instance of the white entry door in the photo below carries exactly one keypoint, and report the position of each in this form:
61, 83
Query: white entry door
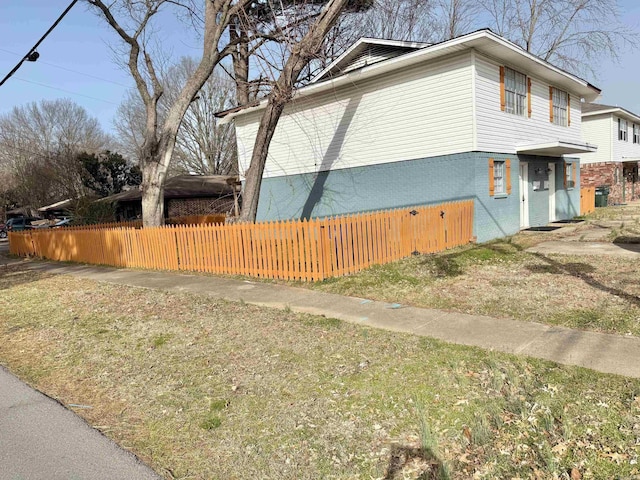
524, 195
552, 192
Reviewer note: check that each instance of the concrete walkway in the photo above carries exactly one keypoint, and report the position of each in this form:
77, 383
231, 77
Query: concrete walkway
602, 352
42, 440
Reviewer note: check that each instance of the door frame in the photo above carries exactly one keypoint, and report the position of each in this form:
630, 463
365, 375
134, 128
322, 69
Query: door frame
523, 186
551, 170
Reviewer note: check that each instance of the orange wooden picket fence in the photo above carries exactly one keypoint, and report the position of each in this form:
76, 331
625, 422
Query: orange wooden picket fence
587, 200
293, 250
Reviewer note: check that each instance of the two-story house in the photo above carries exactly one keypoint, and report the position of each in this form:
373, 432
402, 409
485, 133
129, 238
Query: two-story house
392, 124
616, 131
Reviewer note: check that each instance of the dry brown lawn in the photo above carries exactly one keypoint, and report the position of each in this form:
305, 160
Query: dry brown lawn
202, 389
501, 279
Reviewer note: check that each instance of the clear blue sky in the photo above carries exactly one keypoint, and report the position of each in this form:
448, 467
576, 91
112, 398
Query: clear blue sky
80, 43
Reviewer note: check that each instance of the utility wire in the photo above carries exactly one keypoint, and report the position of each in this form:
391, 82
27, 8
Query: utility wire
33, 50
65, 91
72, 71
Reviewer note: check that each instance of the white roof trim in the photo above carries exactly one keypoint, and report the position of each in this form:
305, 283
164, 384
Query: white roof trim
621, 112
556, 148
367, 41
468, 41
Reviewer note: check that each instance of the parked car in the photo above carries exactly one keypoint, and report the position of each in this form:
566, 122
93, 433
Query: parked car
3, 230
20, 223
67, 222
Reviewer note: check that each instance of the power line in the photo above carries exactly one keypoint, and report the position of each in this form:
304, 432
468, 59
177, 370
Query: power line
72, 71
66, 91
32, 55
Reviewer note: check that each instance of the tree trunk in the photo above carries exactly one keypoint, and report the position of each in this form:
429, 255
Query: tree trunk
253, 181
282, 92
240, 60
152, 195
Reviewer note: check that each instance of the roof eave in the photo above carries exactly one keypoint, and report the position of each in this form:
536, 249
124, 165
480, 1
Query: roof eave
556, 148
584, 88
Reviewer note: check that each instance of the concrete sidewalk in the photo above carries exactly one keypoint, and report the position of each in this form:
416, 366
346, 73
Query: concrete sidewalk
42, 440
602, 352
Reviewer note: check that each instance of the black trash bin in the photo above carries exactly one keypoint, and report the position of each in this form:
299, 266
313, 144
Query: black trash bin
602, 195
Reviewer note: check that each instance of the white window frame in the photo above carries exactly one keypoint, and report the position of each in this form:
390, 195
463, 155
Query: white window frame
499, 177
622, 130
636, 133
560, 100
515, 92
569, 180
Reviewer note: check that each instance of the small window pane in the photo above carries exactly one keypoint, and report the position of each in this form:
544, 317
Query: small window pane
498, 178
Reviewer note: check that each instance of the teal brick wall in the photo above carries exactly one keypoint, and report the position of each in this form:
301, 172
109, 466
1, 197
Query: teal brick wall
403, 184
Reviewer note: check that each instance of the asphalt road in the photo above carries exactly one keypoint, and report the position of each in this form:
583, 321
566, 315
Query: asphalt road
42, 440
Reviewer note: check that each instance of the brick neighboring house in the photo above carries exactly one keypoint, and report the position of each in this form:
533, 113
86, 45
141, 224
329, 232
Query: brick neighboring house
616, 132
184, 195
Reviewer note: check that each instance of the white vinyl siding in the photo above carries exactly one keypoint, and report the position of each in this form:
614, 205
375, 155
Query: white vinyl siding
497, 132
412, 113
597, 131
622, 149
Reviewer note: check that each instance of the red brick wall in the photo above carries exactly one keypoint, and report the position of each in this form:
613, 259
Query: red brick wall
604, 173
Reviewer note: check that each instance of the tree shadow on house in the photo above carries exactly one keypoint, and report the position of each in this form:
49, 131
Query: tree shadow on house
428, 464
332, 153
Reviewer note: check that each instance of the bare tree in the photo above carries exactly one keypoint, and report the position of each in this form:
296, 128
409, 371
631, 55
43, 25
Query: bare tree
132, 20
38, 144
399, 20
569, 33
202, 145
301, 52
454, 18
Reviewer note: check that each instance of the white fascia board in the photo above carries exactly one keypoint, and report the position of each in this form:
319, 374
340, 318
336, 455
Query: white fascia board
367, 41
556, 148
481, 41
620, 112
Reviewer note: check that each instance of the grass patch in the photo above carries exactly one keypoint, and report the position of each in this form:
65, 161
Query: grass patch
501, 279
237, 391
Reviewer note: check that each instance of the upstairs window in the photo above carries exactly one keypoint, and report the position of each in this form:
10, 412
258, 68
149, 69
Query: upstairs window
514, 90
622, 130
636, 133
559, 108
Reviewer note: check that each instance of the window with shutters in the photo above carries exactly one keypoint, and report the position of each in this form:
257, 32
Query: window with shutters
515, 92
560, 107
499, 178
622, 130
636, 133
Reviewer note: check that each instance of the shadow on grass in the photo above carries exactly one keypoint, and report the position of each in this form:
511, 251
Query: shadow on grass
453, 264
15, 275
623, 240
403, 455
582, 271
